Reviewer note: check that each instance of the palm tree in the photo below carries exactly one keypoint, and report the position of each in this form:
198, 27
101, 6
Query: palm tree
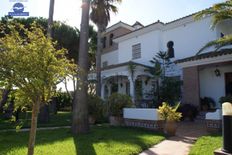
100, 15
44, 109
220, 12
80, 122
50, 17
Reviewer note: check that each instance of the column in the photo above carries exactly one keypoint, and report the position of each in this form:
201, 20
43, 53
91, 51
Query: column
132, 89
103, 90
191, 87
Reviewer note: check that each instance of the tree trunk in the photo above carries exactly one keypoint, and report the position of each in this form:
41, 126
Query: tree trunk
53, 106
44, 114
98, 59
32, 136
50, 18
5, 95
80, 108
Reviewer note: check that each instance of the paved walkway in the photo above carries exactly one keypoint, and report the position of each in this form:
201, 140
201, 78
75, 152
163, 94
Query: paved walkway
187, 134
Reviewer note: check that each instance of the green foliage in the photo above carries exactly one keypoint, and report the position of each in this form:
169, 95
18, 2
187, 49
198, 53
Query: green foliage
169, 113
30, 63
116, 103
220, 12
101, 9
224, 99
66, 36
64, 101
96, 106
170, 90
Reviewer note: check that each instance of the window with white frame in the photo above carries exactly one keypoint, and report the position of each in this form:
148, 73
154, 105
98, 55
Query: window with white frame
136, 51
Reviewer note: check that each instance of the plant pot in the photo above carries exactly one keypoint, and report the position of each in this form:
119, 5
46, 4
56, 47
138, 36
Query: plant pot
92, 120
116, 121
170, 128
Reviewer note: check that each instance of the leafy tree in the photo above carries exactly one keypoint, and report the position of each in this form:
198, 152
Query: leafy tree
80, 122
65, 35
32, 65
100, 15
220, 12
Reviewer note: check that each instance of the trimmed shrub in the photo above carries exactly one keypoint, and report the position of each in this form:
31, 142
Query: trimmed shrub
116, 103
95, 106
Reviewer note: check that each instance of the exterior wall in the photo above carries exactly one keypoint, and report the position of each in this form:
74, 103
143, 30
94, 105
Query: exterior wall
110, 57
149, 45
189, 37
117, 32
211, 85
191, 90
144, 118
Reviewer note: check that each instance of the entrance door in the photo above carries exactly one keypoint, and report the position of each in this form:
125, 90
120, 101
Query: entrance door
228, 82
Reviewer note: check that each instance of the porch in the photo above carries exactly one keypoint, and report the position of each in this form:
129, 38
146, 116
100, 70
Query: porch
206, 75
121, 78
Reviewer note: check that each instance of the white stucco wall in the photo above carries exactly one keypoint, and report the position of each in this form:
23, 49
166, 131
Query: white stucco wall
188, 38
149, 45
111, 57
211, 85
141, 114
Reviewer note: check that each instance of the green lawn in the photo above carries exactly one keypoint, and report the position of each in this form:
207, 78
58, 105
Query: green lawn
102, 140
206, 145
61, 119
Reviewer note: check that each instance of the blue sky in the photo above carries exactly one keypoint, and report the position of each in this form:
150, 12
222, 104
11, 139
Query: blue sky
144, 11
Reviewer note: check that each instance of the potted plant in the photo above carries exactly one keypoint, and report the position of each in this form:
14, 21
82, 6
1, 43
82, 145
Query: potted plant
116, 103
95, 108
171, 116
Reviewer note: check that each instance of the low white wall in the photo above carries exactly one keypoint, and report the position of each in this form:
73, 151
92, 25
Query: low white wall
141, 114
217, 115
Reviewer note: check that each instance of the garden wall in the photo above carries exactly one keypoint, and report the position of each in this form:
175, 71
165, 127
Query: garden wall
142, 117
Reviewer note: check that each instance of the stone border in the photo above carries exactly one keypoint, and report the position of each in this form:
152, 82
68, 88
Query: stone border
148, 124
214, 126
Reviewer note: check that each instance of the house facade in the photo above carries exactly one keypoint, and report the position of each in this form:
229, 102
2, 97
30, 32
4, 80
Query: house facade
128, 49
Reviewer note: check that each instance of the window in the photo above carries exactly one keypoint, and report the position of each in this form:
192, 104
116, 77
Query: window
136, 51
104, 64
171, 53
111, 39
104, 42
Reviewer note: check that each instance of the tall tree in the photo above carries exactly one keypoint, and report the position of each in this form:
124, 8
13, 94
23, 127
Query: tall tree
80, 123
32, 65
220, 12
100, 15
50, 18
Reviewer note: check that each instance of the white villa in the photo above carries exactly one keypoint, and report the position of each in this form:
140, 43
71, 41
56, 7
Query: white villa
136, 44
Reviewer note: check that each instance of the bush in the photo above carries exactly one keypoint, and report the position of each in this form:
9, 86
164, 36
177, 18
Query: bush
207, 103
188, 111
64, 101
225, 99
170, 90
117, 102
95, 106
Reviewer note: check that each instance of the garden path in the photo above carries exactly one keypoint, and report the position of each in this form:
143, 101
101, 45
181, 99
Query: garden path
187, 134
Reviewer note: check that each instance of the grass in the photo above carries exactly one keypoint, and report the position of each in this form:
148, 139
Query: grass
61, 119
206, 145
102, 140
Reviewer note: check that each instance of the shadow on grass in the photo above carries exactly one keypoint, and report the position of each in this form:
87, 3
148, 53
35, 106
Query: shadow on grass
101, 140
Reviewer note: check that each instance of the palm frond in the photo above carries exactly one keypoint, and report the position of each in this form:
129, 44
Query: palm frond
219, 43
